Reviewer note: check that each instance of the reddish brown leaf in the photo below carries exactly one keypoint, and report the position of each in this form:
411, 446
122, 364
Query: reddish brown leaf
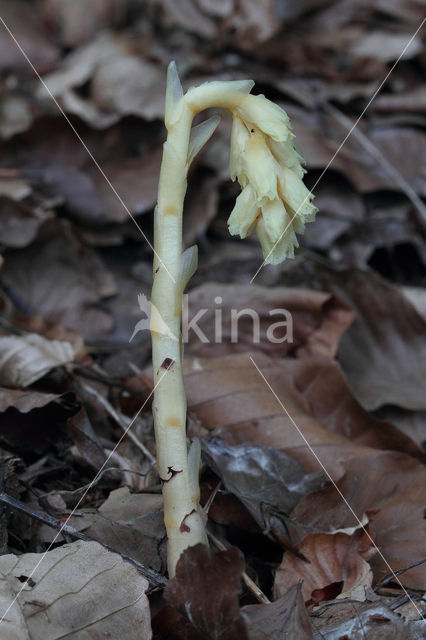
332, 558
302, 322
205, 589
393, 488
384, 352
231, 399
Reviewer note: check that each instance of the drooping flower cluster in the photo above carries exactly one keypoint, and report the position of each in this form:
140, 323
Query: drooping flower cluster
270, 173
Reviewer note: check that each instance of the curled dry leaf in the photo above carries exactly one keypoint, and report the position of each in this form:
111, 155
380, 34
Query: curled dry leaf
267, 481
297, 321
85, 590
205, 589
285, 618
35, 323
121, 82
27, 358
393, 490
333, 558
383, 354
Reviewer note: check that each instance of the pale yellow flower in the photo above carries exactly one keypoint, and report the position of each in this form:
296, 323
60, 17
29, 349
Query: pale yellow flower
270, 172
260, 112
244, 213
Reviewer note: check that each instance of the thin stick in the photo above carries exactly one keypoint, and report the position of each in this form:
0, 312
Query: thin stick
393, 575
250, 584
156, 580
119, 420
387, 166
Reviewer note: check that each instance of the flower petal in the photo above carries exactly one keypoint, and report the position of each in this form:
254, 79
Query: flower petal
296, 195
261, 167
239, 138
244, 213
276, 252
265, 115
287, 156
275, 218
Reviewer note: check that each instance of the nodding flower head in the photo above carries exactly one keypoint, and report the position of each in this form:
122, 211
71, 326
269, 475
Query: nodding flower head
269, 170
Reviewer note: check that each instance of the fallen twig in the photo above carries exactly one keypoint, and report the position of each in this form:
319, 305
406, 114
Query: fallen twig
391, 576
156, 580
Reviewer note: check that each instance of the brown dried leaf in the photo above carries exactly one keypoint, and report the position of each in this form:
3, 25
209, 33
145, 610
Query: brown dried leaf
131, 523
385, 46
393, 489
87, 591
383, 354
285, 618
135, 180
368, 175
35, 323
18, 225
332, 558
25, 23
318, 138
62, 280
414, 100
75, 23
121, 82
245, 23
205, 589
230, 398
412, 423
25, 401
305, 323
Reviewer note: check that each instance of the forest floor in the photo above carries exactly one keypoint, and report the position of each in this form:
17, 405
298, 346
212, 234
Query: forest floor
313, 445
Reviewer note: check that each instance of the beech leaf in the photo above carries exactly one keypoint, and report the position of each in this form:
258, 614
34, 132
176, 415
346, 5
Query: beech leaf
83, 590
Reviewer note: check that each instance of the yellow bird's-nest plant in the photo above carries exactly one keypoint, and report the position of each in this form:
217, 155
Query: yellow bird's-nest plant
273, 198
